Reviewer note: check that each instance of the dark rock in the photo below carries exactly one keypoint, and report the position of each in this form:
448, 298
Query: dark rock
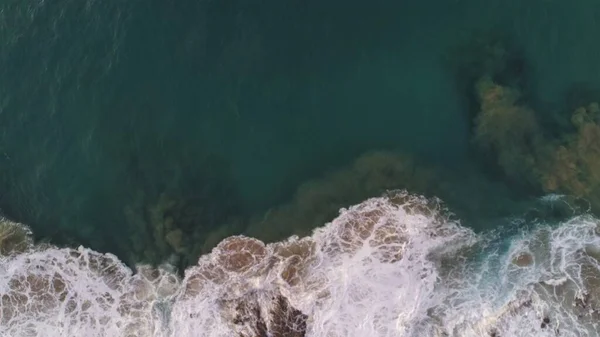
287, 321
282, 320
545, 322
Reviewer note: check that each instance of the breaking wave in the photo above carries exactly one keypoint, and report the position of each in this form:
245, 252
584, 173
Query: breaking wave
391, 266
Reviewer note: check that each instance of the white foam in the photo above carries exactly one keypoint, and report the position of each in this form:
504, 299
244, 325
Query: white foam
394, 266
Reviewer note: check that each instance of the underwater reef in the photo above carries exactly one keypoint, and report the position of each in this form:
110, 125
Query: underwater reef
177, 199
530, 151
373, 174
318, 201
14, 237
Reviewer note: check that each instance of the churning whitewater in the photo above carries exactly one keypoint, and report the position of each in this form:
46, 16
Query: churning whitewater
391, 266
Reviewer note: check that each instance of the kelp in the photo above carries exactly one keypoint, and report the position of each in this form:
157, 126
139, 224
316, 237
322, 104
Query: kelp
318, 201
179, 204
507, 127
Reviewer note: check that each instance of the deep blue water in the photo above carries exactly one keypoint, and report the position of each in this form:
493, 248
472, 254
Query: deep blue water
229, 106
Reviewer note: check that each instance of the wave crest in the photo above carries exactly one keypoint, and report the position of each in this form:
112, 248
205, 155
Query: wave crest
390, 266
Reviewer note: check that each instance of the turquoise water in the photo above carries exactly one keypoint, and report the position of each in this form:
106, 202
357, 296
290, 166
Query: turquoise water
229, 106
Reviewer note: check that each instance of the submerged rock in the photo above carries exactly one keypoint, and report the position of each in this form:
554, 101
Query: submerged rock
14, 237
523, 260
265, 314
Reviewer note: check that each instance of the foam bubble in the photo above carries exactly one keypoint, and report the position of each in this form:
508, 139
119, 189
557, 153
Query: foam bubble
390, 266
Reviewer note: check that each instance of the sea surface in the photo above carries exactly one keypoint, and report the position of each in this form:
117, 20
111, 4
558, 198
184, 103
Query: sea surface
285, 168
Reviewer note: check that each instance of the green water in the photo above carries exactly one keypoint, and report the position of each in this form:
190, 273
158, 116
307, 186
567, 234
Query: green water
229, 106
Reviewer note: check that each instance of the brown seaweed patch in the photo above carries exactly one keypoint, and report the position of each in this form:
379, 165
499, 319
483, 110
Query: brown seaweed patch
318, 201
574, 165
14, 237
508, 129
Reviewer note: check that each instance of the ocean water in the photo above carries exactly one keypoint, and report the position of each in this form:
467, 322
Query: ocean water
390, 266
273, 168
105, 101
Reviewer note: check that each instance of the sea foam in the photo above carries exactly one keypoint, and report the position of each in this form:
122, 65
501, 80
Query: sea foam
391, 266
